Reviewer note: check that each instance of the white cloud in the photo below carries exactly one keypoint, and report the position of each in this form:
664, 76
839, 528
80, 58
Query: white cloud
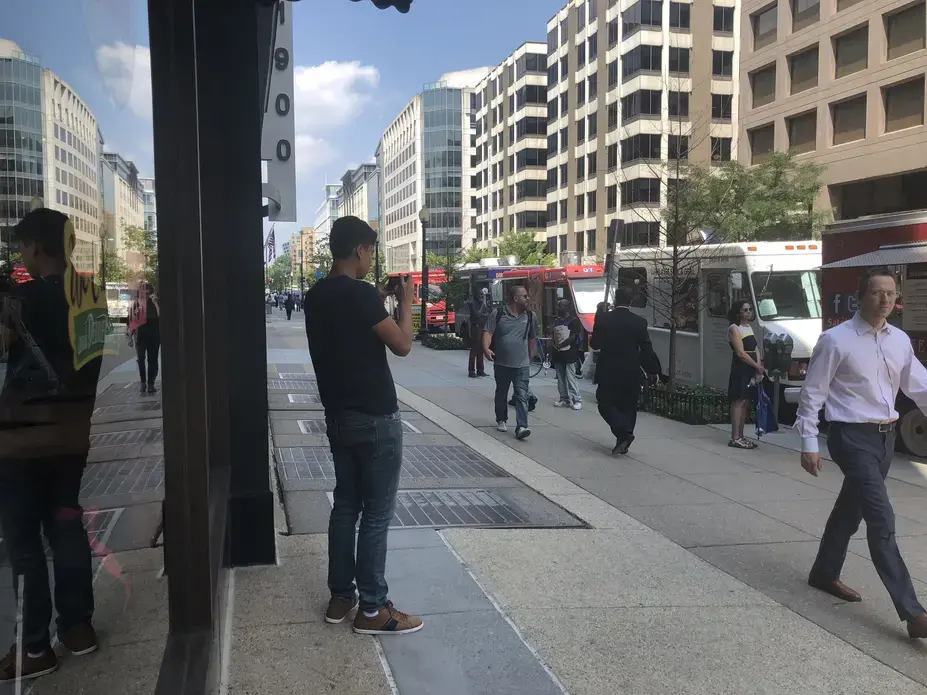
313, 153
331, 94
126, 73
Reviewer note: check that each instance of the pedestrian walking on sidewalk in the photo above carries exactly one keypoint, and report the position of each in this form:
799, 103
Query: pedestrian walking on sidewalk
288, 305
479, 313
568, 332
746, 372
46, 403
349, 329
509, 342
145, 333
855, 372
625, 353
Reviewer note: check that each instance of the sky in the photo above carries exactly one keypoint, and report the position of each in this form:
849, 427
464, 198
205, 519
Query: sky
356, 67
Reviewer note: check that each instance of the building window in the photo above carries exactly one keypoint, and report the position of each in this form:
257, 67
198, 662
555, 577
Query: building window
552, 112
590, 241
765, 26
677, 147
640, 191
724, 20
592, 128
612, 116
593, 45
593, 10
851, 52
564, 137
643, 146
678, 104
613, 74
612, 156
680, 15
645, 13
592, 166
580, 131
611, 198
590, 203
580, 205
581, 55
565, 103
721, 105
803, 68
564, 30
552, 178
805, 13
552, 42
720, 149
644, 58
564, 68
678, 59
644, 102
762, 142
803, 131
640, 234
563, 175
553, 74
904, 31
849, 119
904, 105
722, 63
763, 84
580, 168
593, 87
613, 34
563, 211
580, 93
845, 4
551, 145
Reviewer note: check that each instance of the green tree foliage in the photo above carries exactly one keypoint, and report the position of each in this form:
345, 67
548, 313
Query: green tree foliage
114, 268
474, 254
523, 246
280, 273
138, 239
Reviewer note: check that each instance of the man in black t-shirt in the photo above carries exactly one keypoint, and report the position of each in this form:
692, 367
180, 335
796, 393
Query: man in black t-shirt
349, 330
45, 410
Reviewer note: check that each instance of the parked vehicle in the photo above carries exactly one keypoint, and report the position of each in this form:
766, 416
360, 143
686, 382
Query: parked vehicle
439, 318
119, 298
898, 241
780, 279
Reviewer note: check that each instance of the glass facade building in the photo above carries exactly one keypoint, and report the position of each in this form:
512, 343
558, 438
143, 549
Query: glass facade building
22, 176
442, 111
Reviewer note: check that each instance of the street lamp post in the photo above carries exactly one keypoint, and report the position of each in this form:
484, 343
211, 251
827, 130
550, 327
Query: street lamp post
424, 217
302, 280
376, 261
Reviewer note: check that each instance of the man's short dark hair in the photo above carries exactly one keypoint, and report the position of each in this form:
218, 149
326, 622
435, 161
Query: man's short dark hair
512, 291
624, 295
347, 234
879, 271
44, 227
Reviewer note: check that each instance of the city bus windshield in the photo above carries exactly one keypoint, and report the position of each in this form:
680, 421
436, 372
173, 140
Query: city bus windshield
588, 292
793, 294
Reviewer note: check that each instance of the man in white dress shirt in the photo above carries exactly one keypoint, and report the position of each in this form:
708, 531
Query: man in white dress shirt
855, 372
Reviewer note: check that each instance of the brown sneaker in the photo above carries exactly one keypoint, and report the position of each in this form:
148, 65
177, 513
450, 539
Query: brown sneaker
388, 621
80, 640
339, 609
31, 666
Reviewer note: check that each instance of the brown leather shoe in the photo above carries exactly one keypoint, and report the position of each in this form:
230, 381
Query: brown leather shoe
836, 588
917, 628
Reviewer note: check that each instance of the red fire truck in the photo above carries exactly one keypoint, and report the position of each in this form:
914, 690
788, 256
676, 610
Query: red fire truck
438, 318
898, 241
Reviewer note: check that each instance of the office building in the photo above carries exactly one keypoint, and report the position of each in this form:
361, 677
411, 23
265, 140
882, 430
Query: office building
150, 202
51, 142
302, 253
633, 89
123, 205
840, 83
360, 193
425, 162
327, 213
510, 157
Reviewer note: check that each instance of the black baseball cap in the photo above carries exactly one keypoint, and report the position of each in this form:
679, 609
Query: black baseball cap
45, 227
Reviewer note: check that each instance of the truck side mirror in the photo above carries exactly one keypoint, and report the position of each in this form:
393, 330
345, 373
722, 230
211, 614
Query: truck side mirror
737, 281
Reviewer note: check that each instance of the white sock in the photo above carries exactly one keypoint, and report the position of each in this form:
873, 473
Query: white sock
373, 614
35, 656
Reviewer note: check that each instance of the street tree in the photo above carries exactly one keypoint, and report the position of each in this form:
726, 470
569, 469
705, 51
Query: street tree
114, 267
280, 273
523, 245
145, 244
474, 254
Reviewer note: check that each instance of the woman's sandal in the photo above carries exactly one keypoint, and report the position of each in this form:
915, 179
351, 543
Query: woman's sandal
741, 443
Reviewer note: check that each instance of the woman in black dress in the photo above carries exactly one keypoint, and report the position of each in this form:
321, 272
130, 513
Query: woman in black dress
746, 367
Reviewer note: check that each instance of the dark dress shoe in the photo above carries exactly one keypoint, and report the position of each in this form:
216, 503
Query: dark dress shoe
917, 628
621, 447
838, 589
472, 375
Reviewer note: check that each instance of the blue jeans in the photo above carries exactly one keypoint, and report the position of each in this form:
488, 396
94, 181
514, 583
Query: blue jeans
518, 378
368, 455
568, 382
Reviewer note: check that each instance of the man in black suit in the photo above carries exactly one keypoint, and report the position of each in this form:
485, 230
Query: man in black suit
625, 352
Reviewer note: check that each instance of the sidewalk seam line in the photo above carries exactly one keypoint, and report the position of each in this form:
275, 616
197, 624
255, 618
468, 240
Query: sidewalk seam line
225, 666
492, 599
384, 664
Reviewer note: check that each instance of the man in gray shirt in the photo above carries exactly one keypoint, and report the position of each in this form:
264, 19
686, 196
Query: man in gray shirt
509, 342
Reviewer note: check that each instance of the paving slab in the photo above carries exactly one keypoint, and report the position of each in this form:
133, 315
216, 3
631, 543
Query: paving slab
913, 550
757, 486
715, 524
811, 515
594, 568
429, 580
761, 650
648, 489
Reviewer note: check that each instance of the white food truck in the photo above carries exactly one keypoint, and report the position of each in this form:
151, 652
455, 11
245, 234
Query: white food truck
781, 279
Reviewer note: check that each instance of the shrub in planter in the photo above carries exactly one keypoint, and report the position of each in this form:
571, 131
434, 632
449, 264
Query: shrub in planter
695, 405
447, 341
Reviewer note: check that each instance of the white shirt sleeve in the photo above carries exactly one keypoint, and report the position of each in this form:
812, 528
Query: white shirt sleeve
914, 379
821, 369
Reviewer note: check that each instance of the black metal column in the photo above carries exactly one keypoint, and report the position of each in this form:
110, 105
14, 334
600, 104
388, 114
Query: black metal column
187, 550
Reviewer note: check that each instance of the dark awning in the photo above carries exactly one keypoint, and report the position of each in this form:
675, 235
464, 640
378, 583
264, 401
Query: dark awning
401, 5
895, 254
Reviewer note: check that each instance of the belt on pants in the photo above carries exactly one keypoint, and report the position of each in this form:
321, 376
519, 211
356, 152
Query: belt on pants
881, 427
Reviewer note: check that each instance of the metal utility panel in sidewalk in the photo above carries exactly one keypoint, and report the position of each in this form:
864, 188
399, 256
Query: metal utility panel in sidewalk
278, 136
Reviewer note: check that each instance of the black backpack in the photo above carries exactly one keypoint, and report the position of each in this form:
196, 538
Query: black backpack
499, 312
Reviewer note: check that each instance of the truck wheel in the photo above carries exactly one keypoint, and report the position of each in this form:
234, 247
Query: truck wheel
912, 431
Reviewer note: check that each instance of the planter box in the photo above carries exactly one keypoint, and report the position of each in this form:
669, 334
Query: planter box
701, 407
444, 342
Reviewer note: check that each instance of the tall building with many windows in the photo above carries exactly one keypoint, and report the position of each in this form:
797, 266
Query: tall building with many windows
302, 254
150, 201
424, 160
327, 213
633, 88
360, 193
124, 205
509, 159
840, 83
